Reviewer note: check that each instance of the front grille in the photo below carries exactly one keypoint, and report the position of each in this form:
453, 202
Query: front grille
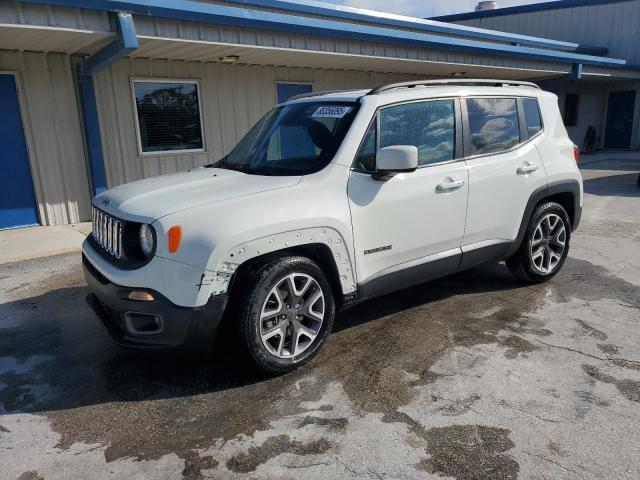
107, 232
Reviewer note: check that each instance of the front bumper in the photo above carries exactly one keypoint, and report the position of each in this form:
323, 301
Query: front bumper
154, 325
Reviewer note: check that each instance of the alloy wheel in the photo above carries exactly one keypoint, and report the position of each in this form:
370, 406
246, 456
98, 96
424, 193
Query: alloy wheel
548, 243
292, 315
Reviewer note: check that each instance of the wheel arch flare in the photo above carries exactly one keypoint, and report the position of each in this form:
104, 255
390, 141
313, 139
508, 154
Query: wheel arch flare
224, 266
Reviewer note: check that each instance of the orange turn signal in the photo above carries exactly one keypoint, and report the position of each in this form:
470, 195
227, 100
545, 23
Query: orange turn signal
175, 237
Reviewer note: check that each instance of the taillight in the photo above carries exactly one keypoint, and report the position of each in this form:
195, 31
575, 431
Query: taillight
576, 154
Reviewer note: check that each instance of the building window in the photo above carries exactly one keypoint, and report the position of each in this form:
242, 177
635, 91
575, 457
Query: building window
571, 110
532, 116
168, 116
284, 91
493, 124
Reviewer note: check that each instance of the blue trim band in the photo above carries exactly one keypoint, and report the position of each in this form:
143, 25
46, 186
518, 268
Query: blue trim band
124, 44
239, 17
576, 71
91, 126
533, 7
426, 25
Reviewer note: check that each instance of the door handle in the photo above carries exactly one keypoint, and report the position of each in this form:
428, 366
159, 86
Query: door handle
526, 169
449, 186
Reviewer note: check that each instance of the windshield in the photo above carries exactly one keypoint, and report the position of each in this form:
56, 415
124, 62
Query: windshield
295, 139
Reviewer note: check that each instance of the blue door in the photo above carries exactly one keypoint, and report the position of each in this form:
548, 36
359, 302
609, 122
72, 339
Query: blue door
617, 135
17, 200
287, 90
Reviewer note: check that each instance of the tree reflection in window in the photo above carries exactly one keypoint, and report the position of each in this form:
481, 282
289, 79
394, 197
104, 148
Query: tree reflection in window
168, 116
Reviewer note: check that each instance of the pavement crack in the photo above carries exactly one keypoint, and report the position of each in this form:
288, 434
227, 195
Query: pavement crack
569, 349
557, 464
615, 360
307, 465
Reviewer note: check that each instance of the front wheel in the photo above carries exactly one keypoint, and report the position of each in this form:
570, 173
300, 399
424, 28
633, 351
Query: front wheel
287, 313
545, 246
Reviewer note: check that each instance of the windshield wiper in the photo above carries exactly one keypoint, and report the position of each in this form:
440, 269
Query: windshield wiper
224, 163
246, 169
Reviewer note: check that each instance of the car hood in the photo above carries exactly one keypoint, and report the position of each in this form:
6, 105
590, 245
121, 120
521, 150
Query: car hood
153, 198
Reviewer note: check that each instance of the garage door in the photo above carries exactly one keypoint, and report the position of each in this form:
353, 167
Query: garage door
17, 200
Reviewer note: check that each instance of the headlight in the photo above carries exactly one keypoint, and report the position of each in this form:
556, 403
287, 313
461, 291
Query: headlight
146, 239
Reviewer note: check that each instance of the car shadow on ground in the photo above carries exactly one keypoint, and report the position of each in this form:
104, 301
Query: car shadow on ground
622, 185
56, 355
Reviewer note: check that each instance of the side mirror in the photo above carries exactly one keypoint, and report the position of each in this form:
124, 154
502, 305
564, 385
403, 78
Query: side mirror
395, 159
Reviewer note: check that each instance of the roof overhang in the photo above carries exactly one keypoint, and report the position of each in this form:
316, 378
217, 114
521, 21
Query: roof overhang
183, 10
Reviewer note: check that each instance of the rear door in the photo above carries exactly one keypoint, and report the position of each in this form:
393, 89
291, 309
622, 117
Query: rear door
504, 170
413, 216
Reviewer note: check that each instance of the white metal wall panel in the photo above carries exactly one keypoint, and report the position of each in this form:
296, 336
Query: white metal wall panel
53, 133
614, 26
233, 98
51, 16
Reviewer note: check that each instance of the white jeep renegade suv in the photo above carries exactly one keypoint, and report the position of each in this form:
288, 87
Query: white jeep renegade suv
330, 199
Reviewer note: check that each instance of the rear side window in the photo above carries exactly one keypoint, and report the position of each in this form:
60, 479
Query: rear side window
532, 116
429, 126
493, 124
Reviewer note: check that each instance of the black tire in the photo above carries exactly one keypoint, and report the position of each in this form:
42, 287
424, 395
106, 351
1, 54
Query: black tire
257, 287
521, 264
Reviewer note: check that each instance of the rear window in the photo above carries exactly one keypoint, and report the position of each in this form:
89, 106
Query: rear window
532, 116
493, 124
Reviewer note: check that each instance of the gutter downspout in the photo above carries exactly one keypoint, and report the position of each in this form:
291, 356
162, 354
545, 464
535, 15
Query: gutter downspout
125, 43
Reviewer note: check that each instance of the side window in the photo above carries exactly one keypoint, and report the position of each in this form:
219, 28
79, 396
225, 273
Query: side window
366, 157
532, 116
429, 126
493, 124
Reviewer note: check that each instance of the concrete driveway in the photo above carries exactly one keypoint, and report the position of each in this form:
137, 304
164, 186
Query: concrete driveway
468, 377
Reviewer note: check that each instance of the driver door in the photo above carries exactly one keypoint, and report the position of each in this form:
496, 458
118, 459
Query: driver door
413, 218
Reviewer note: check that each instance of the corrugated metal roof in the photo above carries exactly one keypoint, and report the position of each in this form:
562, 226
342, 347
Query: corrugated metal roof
295, 24
532, 7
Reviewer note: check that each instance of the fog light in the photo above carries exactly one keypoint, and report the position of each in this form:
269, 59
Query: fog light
140, 296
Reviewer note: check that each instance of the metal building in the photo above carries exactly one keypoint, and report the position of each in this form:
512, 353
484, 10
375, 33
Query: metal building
96, 93
609, 103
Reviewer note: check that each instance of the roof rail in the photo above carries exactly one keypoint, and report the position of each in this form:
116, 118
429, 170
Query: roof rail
449, 81
316, 94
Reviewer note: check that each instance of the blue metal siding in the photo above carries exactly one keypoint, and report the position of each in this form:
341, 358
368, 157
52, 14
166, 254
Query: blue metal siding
17, 198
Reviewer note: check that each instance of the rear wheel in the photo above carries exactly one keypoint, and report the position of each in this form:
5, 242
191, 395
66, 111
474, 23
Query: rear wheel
545, 246
287, 313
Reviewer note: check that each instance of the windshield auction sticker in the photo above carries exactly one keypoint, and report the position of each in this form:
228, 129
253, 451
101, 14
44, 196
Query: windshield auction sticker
331, 111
